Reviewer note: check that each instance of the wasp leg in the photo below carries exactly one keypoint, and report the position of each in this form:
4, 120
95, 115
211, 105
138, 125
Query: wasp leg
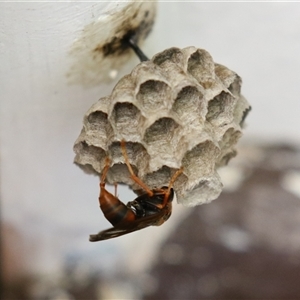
114, 210
133, 176
104, 172
105, 169
173, 179
116, 189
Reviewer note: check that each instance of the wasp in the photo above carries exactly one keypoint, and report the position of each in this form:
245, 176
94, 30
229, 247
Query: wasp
151, 208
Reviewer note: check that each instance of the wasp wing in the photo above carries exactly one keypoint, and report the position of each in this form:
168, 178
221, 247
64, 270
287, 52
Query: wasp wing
125, 228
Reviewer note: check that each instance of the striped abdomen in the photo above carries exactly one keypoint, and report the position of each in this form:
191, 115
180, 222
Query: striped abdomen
114, 210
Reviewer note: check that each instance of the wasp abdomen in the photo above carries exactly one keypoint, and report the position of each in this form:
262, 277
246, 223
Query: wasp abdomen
114, 210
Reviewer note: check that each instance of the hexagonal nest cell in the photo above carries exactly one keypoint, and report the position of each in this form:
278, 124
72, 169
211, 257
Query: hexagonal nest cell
178, 109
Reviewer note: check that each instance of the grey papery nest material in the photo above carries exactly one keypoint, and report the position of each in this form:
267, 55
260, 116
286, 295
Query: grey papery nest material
178, 109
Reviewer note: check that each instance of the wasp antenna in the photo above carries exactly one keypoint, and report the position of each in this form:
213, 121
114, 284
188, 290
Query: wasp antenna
133, 176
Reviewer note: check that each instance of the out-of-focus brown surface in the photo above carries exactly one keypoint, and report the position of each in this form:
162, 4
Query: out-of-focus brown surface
14, 273
245, 245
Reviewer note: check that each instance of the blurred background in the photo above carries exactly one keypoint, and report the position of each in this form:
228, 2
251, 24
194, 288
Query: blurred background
244, 245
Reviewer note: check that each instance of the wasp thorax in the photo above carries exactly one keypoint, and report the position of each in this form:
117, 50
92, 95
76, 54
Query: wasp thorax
180, 109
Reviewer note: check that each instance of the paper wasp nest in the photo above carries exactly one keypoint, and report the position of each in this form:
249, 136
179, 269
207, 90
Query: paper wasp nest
178, 109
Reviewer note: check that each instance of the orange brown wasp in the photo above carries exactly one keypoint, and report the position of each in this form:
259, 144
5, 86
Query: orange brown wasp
152, 208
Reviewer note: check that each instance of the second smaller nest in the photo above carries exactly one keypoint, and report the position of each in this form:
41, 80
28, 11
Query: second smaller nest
178, 109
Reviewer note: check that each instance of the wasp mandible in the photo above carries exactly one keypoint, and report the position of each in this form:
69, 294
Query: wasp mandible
152, 208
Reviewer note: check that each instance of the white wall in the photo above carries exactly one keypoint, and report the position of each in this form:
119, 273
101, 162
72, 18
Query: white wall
51, 201
260, 41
